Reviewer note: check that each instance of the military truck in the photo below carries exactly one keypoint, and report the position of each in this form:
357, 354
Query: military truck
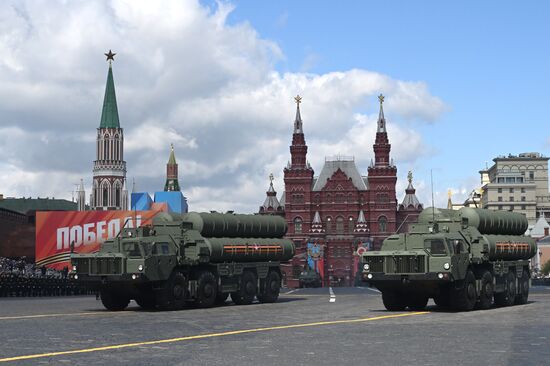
199, 258
463, 259
309, 278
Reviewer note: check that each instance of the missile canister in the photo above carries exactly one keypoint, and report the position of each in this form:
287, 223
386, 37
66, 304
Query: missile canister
249, 249
494, 222
218, 225
509, 247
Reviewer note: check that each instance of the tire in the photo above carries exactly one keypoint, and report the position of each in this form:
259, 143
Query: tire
523, 282
271, 288
146, 300
465, 297
175, 294
486, 292
417, 302
393, 301
207, 289
114, 301
247, 289
507, 297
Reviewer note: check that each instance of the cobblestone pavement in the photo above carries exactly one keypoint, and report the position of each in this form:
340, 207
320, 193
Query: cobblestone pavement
348, 326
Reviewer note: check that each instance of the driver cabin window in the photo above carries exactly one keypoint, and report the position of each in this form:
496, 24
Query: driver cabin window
457, 246
436, 246
161, 249
132, 249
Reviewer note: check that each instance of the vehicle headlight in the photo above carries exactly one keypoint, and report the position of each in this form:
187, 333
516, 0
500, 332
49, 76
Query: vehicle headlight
76, 277
440, 276
74, 268
366, 267
369, 276
446, 266
134, 276
140, 267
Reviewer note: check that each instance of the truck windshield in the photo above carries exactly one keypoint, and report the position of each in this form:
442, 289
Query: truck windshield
436, 246
132, 249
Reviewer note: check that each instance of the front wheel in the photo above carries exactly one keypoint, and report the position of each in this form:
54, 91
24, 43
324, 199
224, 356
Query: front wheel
393, 301
271, 288
114, 301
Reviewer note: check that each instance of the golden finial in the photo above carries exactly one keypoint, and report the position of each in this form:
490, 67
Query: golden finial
298, 99
271, 177
381, 99
410, 176
450, 193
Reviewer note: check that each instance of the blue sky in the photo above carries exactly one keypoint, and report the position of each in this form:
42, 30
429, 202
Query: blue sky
488, 61
464, 83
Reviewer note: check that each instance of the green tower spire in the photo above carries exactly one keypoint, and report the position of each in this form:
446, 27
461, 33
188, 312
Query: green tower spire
109, 114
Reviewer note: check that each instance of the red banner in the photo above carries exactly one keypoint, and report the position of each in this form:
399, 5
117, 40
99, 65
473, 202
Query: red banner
56, 230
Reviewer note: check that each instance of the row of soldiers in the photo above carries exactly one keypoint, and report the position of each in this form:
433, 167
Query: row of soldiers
13, 285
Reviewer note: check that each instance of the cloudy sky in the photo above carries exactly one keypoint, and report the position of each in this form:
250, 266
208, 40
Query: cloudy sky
463, 83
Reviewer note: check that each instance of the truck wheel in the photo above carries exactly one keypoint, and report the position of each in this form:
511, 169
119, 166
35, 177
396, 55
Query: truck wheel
508, 296
393, 301
486, 291
465, 297
417, 303
271, 288
146, 300
247, 289
221, 298
207, 289
175, 295
114, 301
523, 295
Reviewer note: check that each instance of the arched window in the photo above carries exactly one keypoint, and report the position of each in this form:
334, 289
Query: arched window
317, 198
340, 225
297, 225
117, 196
382, 224
106, 147
105, 196
328, 225
351, 226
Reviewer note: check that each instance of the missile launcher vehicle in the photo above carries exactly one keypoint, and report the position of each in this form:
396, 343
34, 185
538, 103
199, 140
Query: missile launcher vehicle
199, 258
463, 259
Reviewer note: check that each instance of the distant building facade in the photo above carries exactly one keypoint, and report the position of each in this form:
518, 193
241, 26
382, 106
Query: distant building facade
332, 215
518, 183
17, 223
172, 196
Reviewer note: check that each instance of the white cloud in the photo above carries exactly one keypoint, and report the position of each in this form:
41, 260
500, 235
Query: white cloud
183, 76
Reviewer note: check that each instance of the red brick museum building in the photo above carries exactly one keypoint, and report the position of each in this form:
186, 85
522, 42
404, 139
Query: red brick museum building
331, 215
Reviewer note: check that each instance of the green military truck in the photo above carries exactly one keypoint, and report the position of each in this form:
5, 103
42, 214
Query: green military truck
199, 258
463, 259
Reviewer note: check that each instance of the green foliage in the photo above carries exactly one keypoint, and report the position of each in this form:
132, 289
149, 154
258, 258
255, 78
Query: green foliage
546, 268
